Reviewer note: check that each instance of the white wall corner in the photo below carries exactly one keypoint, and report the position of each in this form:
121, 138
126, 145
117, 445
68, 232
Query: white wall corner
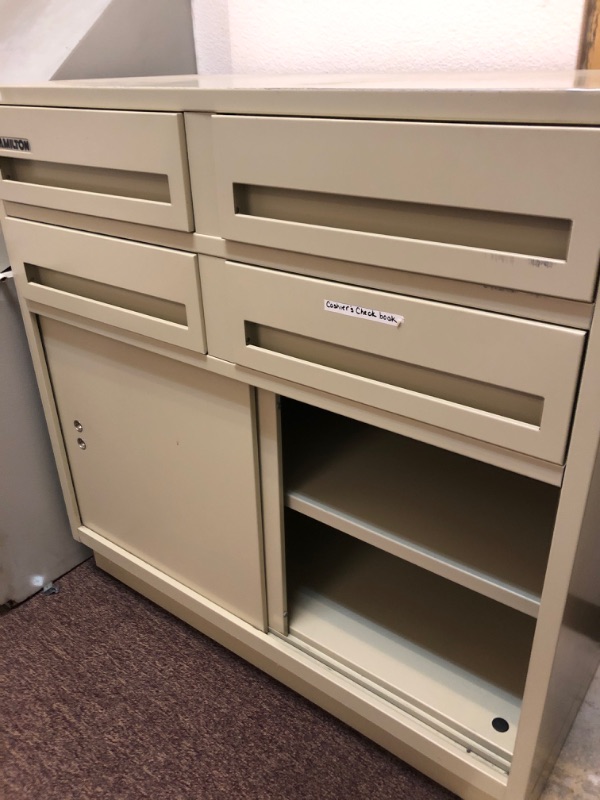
212, 36
41, 39
37, 35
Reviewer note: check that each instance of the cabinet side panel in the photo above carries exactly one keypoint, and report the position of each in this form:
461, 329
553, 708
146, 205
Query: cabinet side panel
36, 545
566, 650
578, 650
44, 386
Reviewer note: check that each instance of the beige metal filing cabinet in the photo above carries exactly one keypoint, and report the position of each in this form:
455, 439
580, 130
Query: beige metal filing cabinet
321, 367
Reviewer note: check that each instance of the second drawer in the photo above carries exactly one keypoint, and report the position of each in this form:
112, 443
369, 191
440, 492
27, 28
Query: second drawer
502, 380
150, 291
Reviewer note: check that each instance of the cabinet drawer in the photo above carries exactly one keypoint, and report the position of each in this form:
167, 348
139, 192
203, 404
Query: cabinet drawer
116, 164
147, 290
499, 379
508, 206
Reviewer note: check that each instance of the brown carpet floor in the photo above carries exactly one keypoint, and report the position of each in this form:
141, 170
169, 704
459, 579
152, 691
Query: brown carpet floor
103, 695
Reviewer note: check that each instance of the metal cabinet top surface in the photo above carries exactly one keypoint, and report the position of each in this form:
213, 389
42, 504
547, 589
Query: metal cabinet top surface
553, 98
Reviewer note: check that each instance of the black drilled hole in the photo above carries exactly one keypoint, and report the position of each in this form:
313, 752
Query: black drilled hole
499, 724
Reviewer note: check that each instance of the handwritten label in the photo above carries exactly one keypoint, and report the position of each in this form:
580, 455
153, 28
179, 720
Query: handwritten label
364, 313
502, 258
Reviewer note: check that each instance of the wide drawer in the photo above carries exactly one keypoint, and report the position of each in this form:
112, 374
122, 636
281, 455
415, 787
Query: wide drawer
146, 290
509, 206
499, 379
116, 164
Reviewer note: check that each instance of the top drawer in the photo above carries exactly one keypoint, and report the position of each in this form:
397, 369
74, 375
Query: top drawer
117, 164
509, 206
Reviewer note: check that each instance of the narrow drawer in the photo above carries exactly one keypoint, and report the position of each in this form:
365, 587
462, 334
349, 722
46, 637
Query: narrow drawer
499, 379
508, 206
146, 290
117, 164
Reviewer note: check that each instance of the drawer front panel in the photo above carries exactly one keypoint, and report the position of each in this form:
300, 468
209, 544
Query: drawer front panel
117, 164
499, 379
146, 290
502, 205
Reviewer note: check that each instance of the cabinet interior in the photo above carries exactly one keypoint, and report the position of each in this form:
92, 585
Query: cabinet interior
452, 658
486, 528
415, 570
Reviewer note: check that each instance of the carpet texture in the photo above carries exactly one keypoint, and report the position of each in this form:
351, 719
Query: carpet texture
103, 695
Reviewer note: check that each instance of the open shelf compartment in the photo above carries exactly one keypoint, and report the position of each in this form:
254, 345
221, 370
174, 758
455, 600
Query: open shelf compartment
480, 526
454, 659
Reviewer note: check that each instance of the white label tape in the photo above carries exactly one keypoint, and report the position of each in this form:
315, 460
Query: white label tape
372, 314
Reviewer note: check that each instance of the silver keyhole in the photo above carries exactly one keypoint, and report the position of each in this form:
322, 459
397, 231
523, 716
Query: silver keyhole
81, 443
78, 426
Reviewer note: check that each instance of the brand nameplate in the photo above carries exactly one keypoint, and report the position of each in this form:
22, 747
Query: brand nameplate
372, 314
12, 143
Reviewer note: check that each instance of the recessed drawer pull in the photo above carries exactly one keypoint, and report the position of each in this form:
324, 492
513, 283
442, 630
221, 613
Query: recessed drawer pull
544, 237
82, 178
116, 296
433, 383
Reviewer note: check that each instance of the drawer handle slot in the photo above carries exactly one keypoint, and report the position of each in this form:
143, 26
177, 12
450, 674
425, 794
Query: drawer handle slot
508, 403
98, 180
542, 237
116, 296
